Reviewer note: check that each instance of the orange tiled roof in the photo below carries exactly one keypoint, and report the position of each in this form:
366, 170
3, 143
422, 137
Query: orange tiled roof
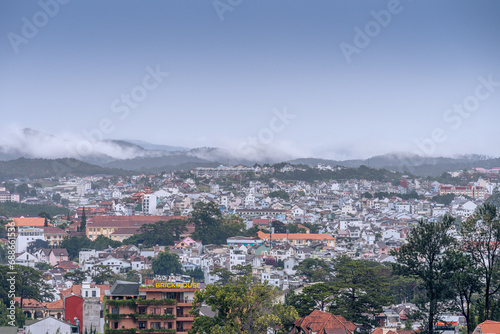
29, 221
291, 236
490, 326
58, 304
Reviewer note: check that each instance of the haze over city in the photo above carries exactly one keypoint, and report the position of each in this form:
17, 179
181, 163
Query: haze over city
330, 79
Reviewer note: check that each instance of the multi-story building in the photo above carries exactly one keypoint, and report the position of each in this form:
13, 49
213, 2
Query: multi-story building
54, 235
220, 171
26, 236
6, 196
470, 190
107, 225
298, 239
149, 204
157, 305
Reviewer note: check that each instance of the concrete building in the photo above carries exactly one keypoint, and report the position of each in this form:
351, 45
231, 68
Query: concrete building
158, 305
92, 308
27, 235
149, 204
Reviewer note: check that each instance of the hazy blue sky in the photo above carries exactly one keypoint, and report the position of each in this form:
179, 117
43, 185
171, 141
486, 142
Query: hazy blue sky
232, 64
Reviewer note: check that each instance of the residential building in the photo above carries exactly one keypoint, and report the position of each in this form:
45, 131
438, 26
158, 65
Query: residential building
107, 225
299, 239
54, 235
158, 305
6, 196
26, 236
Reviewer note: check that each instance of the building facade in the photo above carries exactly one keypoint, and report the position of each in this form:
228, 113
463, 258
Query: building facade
157, 305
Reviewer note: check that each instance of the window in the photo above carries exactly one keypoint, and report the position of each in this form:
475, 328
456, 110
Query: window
155, 325
169, 310
142, 310
94, 293
115, 310
115, 325
169, 325
86, 293
142, 324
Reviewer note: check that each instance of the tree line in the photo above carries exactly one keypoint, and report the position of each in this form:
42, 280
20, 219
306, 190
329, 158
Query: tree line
457, 270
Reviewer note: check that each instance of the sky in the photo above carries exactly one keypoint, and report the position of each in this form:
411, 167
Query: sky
331, 79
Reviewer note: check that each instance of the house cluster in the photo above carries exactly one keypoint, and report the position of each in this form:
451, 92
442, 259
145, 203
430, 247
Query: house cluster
358, 218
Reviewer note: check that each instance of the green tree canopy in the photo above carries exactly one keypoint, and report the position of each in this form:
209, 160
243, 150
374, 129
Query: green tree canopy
103, 274
211, 227
163, 233
481, 239
281, 194
77, 276
166, 263
315, 270
424, 256
241, 306
361, 289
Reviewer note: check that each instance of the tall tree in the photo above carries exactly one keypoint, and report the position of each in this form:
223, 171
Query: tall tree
317, 296
465, 281
361, 288
83, 221
481, 236
241, 306
29, 284
424, 256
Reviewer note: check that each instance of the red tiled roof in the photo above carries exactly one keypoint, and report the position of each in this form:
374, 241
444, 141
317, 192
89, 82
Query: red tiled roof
258, 221
28, 302
325, 323
67, 265
53, 230
126, 231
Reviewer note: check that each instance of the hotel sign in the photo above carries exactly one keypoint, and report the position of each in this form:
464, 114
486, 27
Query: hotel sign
190, 285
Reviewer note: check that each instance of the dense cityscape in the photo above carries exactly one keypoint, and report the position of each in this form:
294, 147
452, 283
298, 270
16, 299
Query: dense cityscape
100, 250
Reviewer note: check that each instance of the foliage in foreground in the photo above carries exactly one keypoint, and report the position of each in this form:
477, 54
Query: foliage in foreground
242, 307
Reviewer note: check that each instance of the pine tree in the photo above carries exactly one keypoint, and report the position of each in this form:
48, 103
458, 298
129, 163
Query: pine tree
83, 222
